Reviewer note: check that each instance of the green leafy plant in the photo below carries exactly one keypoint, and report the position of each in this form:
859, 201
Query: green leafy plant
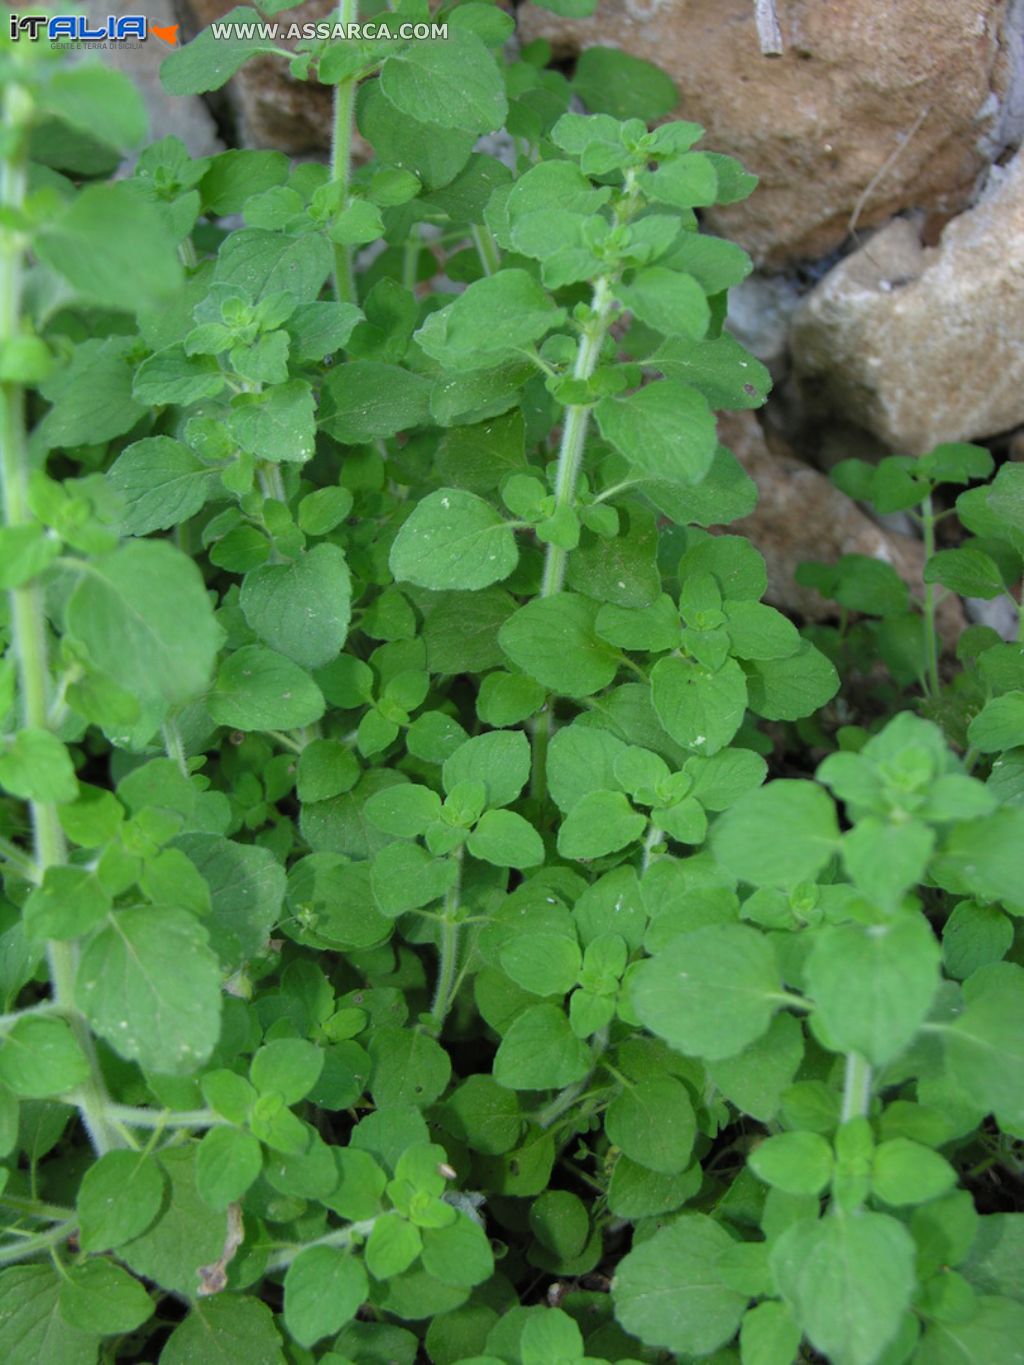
404, 954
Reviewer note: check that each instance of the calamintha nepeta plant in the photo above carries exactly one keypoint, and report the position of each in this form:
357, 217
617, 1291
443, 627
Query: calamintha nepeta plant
400, 928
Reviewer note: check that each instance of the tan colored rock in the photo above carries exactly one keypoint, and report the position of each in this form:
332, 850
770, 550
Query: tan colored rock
924, 344
801, 516
920, 89
268, 106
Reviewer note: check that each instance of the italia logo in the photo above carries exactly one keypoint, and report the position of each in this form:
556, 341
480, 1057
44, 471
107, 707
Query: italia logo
76, 28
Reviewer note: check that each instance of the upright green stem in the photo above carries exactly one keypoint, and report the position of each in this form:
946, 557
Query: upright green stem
574, 430
856, 1087
568, 1097
448, 951
341, 159
930, 634
486, 248
28, 617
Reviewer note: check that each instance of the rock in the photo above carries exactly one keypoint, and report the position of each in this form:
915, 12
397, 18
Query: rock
873, 109
187, 118
267, 106
801, 516
923, 344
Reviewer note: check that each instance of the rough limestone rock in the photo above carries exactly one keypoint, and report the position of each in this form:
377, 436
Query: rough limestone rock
267, 106
801, 516
924, 91
187, 118
924, 344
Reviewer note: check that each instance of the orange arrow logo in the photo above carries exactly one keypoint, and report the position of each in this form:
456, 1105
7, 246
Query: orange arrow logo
169, 34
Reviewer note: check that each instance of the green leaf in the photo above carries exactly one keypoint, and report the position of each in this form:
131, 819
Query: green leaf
791, 688
453, 540
968, 571
665, 430
769, 1335
37, 767
170, 376
162, 483
458, 1254
985, 858
755, 1080
848, 1279
392, 1246
983, 1048
610, 81
142, 616
653, 1123
101, 1297
709, 993
25, 551
543, 963
69, 902
302, 609
672, 304
493, 320
551, 1335
224, 1330
405, 877
778, 835
366, 399
484, 1116
92, 397
187, 1233
993, 1333
798, 1163
322, 1291
999, 724
455, 83
228, 1161
405, 809
873, 986
113, 248
666, 1292
97, 101
289, 1067
32, 1328
507, 840
246, 890
727, 375
600, 823
553, 639
540, 1052
701, 708
150, 986
276, 424
261, 264
118, 1199
257, 689
408, 1068
40, 1057
207, 63
905, 1172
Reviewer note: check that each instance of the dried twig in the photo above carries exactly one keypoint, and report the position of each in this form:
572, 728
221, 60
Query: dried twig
769, 35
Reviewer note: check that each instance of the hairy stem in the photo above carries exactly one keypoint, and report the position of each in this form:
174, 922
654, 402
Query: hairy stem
568, 1097
40, 1241
156, 1118
574, 430
486, 249
930, 634
341, 159
340, 1237
28, 616
856, 1087
448, 951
